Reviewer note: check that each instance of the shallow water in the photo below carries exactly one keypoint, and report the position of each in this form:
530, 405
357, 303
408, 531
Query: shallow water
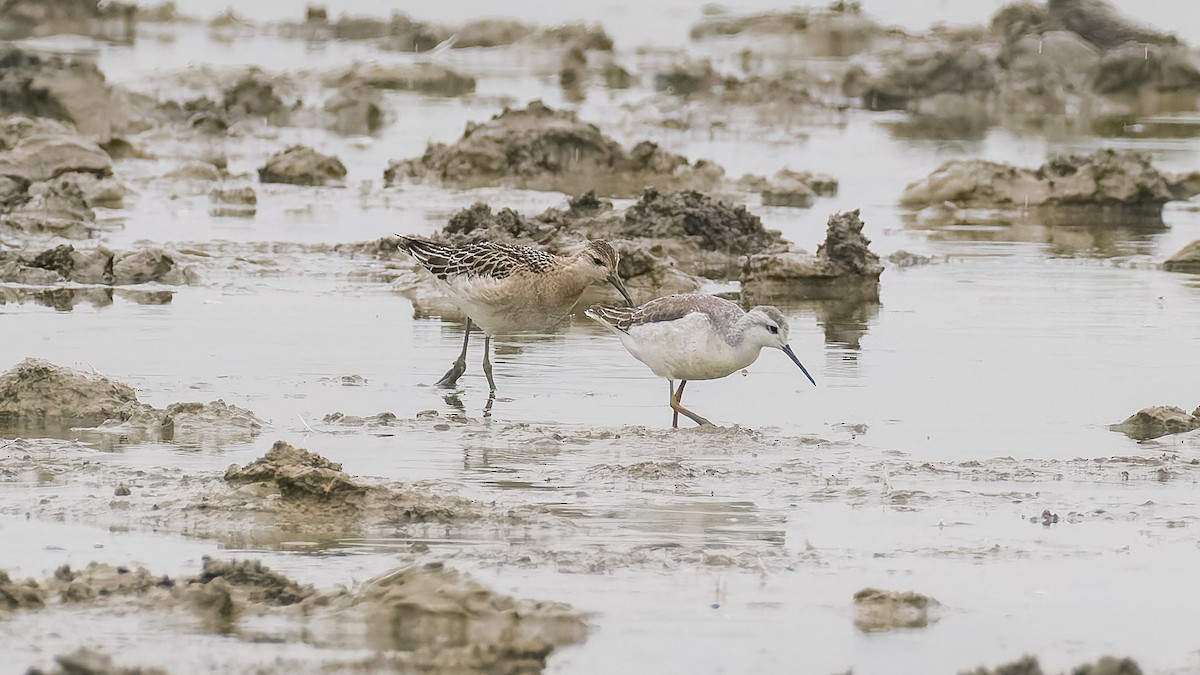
974, 395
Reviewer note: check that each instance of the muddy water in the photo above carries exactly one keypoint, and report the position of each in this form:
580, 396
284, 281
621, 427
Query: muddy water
974, 396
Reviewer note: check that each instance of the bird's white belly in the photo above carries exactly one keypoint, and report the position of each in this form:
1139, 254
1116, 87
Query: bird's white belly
502, 309
686, 349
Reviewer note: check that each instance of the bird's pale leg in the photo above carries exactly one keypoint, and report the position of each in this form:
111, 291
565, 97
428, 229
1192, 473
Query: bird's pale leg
675, 415
678, 395
678, 408
460, 365
487, 362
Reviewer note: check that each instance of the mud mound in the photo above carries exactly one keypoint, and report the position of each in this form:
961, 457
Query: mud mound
844, 266
1186, 259
299, 474
189, 423
451, 621
253, 95
356, 111
923, 72
97, 581
85, 661
711, 224
214, 98
65, 263
1101, 24
1029, 665
20, 595
64, 89
233, 202
1134, 67
1103, 178
797, 189
40, 157
1158, 421
36, 18
841, 30
50, 181
422, 78
383, 419
301, 165
877, 610
36, 391
540, 148
262, 584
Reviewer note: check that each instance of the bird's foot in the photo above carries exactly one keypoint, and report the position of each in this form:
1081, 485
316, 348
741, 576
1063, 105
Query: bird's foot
451, 377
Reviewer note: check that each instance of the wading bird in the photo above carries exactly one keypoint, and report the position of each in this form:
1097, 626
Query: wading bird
695, 337
507, 289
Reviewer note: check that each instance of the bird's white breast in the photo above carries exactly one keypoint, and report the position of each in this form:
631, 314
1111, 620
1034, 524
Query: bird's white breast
687, 348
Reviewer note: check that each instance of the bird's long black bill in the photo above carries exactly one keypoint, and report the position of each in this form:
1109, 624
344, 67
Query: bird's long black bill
787, 349
620, 286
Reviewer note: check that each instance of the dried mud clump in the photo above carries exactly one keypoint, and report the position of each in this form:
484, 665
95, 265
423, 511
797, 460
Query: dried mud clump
710, 224
356, 111
877, 610
843, 267
1104, 178
261, 584
233, 202
38, 392
299, 475
925, 72
51, 180
64, 263
36, 18
840, 30
540, 148
449, 621
1096, 21
191, 421
20, 594
1157, 421
1186, 259
796, 189
422, 78
301, 165
71, 90
85, 661
1062, 58
1029, 665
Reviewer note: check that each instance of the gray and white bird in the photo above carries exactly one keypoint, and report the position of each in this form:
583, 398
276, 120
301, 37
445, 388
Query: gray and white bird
695, 337
506, 289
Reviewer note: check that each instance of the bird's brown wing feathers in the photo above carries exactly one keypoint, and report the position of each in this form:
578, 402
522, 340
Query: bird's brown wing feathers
485, 259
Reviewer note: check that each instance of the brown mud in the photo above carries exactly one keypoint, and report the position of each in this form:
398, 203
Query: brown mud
418, 618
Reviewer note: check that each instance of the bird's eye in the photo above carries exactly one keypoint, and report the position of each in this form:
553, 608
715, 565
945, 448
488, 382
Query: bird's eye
597, 261
774, 330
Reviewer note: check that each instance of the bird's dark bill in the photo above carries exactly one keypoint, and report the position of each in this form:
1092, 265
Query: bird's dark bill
620, 286
787, 349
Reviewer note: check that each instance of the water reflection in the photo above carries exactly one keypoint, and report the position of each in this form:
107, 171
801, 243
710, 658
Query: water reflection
1068, 232
715, 524
844, 308
67, 299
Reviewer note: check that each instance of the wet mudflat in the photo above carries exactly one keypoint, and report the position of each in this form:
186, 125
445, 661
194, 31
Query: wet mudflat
957, 446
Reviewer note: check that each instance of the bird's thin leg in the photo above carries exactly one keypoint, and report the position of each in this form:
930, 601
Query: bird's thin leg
487, 362
460, 365
677, 395
671, 397
678, 408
